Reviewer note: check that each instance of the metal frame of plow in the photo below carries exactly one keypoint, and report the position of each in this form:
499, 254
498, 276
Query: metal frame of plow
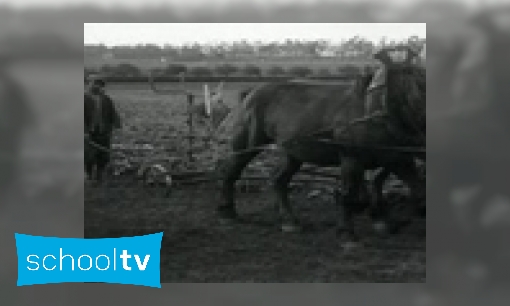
190, 99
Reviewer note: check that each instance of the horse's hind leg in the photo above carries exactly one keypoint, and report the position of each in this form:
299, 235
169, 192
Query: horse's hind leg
281, 180
351, 173
244, 146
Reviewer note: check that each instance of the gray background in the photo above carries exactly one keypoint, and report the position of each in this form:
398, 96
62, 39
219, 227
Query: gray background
41, 49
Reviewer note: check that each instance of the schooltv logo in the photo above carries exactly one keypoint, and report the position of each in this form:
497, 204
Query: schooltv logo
126, 260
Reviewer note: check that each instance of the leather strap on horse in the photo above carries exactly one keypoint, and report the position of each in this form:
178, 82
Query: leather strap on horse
415, 150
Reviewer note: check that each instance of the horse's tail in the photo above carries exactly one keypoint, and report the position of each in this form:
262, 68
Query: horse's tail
226, 126
243, 122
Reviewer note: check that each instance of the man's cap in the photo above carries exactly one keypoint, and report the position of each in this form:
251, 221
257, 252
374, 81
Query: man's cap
97, 79
397, 53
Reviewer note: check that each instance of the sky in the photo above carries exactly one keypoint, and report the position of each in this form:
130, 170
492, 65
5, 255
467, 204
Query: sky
111, 34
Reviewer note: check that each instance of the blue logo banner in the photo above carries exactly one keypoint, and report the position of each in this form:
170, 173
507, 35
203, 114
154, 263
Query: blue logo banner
126, 260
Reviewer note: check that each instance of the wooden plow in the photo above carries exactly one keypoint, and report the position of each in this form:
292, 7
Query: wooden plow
151, 168
190, 98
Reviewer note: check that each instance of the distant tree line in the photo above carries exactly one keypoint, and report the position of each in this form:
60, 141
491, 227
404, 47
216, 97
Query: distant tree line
355, 47
224, 70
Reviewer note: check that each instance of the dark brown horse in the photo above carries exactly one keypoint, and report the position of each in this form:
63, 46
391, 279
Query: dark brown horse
298, 115
404, 125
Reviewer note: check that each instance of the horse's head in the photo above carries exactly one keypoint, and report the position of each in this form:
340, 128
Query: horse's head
406, 97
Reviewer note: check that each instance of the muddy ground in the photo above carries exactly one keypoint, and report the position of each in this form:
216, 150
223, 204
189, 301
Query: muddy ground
197, 248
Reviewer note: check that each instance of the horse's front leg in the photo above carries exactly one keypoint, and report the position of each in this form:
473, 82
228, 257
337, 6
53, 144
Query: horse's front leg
409, 174
351, 176
378, 207
286, 170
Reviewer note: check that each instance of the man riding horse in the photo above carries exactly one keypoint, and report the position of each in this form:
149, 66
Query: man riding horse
387, 57
376, 92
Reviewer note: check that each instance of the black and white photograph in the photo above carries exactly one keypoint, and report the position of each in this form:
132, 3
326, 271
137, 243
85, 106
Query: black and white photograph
265, 153
173, 173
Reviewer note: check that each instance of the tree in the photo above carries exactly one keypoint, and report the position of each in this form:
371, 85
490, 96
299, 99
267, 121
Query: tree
252, 70
107, 70
226, 69
201, 71
89, 71
324, 72
349, 70
300, 71
157, 71
175, 69
276, 70
123, 70
126, 69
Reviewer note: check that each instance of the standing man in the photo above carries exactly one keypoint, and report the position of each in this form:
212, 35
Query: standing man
101, 118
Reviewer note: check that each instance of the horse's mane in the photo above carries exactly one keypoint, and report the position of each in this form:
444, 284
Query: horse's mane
406, 97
